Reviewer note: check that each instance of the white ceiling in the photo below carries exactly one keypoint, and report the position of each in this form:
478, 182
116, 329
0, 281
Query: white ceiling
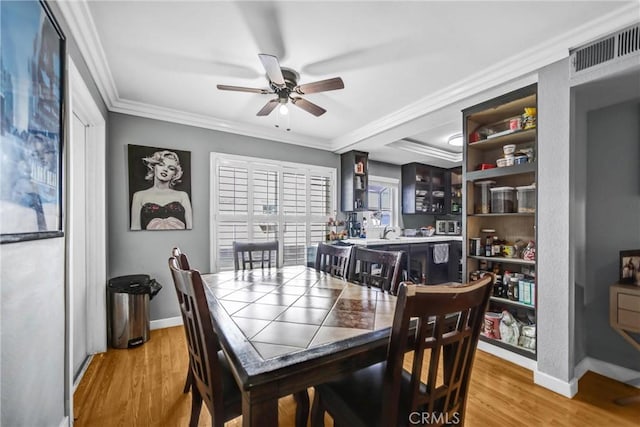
408, 67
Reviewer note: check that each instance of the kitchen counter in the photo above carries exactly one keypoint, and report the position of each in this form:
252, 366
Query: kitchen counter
403, 240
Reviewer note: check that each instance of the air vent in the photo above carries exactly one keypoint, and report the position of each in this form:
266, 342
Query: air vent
595, 54
609, 48
629, 41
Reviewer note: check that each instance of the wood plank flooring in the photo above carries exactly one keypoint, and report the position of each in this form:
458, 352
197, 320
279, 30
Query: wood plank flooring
143, 387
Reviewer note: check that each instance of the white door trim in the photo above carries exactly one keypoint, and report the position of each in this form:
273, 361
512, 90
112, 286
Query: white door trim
83, 105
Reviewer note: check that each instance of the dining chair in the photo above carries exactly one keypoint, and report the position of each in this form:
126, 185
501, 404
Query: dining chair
333, 259
213, 381
255, 254
381, 269
385, 394
183, 263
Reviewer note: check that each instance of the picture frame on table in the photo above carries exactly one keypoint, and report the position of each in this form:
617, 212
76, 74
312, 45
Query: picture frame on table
32, 120
630, 267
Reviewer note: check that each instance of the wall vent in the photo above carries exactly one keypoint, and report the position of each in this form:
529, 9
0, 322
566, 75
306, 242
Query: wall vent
609, 48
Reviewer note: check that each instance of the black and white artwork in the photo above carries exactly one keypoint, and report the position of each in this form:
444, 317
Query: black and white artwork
160, 188
31, 100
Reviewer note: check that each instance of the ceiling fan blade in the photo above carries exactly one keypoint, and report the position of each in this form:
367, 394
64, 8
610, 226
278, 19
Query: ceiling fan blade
307, 106
272, 67
243, 89
268, 107
320, 86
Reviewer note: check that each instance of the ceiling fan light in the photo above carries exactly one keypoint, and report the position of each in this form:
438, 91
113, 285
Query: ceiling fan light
455, 140
283, 109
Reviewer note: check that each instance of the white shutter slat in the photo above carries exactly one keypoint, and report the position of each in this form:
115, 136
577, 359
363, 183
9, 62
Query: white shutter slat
265, 192
227, 233
233, 190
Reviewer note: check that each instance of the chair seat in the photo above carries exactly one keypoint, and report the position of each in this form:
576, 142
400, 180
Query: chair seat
358, 397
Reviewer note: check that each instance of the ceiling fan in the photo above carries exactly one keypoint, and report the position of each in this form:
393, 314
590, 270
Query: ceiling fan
284, 83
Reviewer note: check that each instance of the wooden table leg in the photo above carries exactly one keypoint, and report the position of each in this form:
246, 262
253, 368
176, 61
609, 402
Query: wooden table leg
302, 408
259, 412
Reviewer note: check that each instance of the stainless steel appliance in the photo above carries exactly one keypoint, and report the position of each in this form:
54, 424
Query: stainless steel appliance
450, 227
454, 227
441, 227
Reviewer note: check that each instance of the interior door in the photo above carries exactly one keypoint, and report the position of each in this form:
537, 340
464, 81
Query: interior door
77, 242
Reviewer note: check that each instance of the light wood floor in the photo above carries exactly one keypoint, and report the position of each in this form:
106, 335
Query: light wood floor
143, 387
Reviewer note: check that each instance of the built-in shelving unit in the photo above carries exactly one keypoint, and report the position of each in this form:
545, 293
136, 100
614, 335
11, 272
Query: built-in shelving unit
354, 174
488, 127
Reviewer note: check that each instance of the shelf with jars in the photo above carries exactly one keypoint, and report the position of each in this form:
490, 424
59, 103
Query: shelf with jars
354, 177
499, 213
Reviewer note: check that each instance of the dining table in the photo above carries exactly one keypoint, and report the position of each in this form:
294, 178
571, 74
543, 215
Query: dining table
286, 329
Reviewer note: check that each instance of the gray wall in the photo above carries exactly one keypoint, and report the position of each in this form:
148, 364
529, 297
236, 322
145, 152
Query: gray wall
147, 252
32, 319
612, 221
597, 93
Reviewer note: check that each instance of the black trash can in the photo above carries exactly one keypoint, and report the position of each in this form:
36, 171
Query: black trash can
128, 303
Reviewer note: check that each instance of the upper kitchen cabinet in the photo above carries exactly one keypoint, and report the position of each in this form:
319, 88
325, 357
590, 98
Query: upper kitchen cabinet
455, 191
425, 189
354, 177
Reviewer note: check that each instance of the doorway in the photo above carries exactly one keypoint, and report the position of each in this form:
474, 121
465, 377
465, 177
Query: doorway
86, 237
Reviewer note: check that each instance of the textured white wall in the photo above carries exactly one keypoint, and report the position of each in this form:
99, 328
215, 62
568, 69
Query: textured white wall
32, 317
555, 259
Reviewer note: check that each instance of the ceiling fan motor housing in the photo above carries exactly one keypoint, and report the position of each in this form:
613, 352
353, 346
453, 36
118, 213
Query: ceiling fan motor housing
290, 80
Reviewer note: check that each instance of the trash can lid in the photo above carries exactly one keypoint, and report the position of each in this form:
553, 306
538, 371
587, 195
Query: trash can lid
132, 284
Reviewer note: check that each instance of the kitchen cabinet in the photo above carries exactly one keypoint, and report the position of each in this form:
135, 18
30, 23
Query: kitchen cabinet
425, 189
354, 178
418, 262
454, 200
492, 213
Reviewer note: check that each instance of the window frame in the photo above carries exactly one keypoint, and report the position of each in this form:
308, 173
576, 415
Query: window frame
394, 185
250, 217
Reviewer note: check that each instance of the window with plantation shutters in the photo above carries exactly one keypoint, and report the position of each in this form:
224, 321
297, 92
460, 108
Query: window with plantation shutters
260, 200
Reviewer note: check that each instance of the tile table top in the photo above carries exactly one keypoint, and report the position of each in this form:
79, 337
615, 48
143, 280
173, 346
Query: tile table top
281, 312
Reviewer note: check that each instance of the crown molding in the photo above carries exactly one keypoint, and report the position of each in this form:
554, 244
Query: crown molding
426, 150
83, 30
149, 111
526, 62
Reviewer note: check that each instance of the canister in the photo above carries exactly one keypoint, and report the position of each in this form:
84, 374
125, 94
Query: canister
476, 248
483, 204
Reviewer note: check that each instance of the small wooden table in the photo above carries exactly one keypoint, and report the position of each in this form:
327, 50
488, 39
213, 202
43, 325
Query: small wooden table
624, 317
284, 330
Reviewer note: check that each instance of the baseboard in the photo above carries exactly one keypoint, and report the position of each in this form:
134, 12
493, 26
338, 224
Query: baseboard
165, 323
83, 370
507, 355
607, 369
564, 388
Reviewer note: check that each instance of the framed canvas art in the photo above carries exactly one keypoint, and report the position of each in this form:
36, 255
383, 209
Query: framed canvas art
159, 188
32, 122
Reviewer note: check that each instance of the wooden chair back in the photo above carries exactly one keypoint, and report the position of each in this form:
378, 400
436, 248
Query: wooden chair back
333, 259
250, 255
183, 261
183, 264
381, 269
455, 342
202, 343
